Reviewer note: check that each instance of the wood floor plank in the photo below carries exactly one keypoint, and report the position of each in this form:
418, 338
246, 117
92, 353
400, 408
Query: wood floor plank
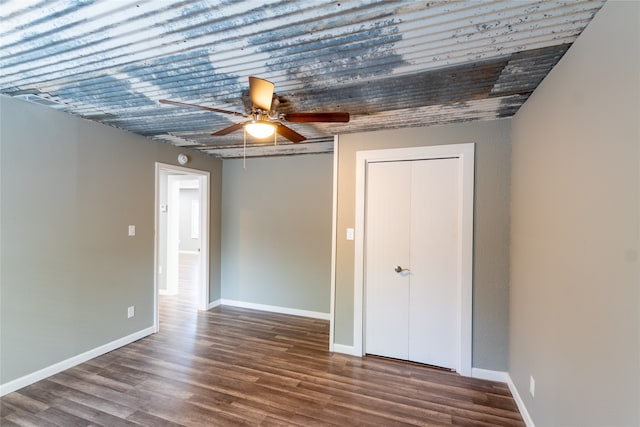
144, 419
95, 396
92, 414
26, 419
14, 401
231, 366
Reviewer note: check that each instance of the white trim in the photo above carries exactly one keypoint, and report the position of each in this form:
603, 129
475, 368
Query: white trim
276, 309
173, 233
486, 374
346, 349
43, 373
156, 249
465, 152
205, 231
195, 219
334, 228
214, 304
520, 403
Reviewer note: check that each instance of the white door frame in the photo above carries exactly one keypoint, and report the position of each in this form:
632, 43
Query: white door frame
172, 230
464, 152
204, 177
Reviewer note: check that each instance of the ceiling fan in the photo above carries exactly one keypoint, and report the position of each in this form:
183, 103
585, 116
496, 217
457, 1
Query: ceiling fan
264, 119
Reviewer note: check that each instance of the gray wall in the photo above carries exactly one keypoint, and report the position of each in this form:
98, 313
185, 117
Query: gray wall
276, 221
69, 189
575, 303
491, 237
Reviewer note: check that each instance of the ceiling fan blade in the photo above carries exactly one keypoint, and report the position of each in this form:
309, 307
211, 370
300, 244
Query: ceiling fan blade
317, 117
201, 107
228, 129
289, 133
261, 93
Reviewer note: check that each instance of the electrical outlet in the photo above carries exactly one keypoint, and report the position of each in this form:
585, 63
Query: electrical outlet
131, 311
532, 386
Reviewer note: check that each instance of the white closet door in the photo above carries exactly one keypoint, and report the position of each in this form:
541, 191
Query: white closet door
433, 310
411, 222
387, 245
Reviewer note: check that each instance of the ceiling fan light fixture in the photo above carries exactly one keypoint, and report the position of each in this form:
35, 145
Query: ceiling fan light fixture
260, 129
265, 121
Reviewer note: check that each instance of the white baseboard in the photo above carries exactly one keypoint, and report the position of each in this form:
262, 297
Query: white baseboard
213, 304
276, 309
523, 409
345, 349
43, 373
487, 374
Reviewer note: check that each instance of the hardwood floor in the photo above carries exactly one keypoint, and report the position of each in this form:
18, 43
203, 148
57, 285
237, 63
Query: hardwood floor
232, 366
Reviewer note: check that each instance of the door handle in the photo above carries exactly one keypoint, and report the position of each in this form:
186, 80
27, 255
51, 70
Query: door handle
399, 269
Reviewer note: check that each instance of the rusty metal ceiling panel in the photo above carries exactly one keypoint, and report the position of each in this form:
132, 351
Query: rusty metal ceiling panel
388, 63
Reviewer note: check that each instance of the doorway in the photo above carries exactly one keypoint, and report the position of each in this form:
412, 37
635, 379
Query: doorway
389, 300
181, 239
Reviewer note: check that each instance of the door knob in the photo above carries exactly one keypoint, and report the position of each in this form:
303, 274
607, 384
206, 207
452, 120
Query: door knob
399, 269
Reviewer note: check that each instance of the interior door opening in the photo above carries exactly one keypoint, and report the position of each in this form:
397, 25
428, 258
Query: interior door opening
181, 244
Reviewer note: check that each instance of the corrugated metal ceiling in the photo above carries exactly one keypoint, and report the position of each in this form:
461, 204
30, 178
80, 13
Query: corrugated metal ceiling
388, 63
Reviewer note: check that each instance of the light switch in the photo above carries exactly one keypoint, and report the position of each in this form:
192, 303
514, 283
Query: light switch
132, 230
350, 234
